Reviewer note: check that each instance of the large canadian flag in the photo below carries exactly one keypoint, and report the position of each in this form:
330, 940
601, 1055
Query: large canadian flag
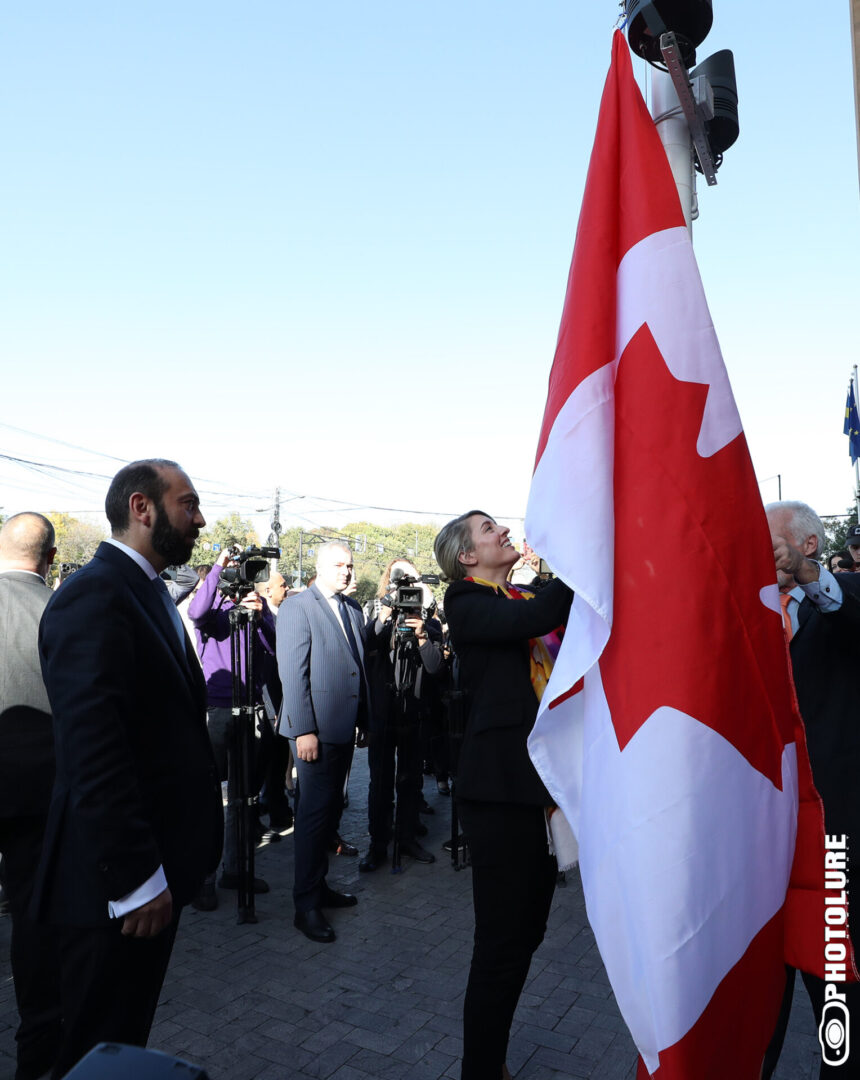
669, 734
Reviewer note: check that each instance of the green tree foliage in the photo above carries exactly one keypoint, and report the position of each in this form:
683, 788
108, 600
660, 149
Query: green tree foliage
836, 529
289, 561
373, 547
231, 529
76, 540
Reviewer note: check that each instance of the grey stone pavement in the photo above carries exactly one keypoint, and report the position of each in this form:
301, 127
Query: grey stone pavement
261, 1002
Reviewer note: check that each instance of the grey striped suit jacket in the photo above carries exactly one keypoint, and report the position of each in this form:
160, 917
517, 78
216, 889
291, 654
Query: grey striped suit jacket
26, 732
320, 678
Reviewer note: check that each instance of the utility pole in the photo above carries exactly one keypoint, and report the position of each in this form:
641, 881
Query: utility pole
275, 537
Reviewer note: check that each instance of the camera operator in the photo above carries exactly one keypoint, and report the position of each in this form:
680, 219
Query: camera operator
405, 649
209, 611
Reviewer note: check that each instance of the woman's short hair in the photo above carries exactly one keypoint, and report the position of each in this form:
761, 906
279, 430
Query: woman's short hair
455, 539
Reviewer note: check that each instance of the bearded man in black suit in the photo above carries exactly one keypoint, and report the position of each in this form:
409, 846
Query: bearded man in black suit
135, 818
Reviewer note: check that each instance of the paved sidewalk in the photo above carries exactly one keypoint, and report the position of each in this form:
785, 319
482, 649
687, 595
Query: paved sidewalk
261, 1002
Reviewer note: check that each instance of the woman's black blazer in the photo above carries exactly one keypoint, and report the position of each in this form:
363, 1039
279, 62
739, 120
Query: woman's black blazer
490, 635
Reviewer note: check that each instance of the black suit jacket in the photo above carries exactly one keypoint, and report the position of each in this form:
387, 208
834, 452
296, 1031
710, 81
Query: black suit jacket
825, 660
490, 635
136, 783
26, 736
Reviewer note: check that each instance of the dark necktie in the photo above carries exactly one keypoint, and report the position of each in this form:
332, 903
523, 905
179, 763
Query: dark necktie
361, 719
350, 633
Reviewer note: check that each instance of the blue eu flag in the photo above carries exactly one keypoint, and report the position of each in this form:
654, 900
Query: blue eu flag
852, 425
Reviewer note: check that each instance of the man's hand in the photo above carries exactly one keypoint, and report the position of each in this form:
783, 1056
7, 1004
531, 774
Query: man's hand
385, 613
416, 623
150, 919
793, 562
253, 601
307, 747
362, 738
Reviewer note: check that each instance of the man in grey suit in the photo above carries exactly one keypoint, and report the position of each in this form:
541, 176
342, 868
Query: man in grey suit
26, 777
320, 647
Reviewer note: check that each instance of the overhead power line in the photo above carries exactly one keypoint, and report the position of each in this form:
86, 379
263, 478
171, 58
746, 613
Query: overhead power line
340, 505
59, 442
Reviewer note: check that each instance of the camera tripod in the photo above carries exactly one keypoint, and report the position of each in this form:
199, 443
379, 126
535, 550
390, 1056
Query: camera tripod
455, 704
404, 718
244, 798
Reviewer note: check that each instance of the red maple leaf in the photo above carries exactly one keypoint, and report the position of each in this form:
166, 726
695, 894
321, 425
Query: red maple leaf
692, 552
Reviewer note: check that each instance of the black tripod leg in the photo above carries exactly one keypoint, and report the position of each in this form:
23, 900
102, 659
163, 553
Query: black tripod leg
241, 647
246, 813
455, 830
395, 828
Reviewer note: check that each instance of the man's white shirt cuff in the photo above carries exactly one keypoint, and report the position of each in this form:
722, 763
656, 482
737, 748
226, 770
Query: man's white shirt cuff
824, 593
152, 887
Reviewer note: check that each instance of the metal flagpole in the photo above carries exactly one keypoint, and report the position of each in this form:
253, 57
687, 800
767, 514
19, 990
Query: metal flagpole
857, 462
675, 136
679, 116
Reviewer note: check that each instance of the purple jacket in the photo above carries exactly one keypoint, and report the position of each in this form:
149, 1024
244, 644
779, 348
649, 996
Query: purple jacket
208, 611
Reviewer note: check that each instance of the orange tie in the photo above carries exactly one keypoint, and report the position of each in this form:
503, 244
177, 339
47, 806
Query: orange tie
786, 618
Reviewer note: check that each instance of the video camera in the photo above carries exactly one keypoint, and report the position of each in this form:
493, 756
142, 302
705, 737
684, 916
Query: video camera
406, 597
251, 569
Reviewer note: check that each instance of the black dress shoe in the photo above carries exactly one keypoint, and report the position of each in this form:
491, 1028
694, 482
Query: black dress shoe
415, 851
207, 898
313, 925
334, 899
339, 846
268, 836
374, 858
282, 827
231, 881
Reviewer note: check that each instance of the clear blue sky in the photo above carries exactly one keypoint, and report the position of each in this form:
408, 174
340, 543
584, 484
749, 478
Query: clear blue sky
325, 246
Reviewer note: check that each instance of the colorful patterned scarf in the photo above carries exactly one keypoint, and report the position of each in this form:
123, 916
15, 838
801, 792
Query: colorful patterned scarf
542, 650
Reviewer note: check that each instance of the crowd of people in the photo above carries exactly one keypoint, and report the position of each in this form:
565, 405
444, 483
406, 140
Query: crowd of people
119, 737
121, 789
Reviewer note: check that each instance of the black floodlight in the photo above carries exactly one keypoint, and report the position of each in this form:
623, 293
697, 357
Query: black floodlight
689, 20
723, 128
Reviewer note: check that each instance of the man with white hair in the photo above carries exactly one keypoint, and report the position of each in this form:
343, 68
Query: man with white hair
320, 648
821, 615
